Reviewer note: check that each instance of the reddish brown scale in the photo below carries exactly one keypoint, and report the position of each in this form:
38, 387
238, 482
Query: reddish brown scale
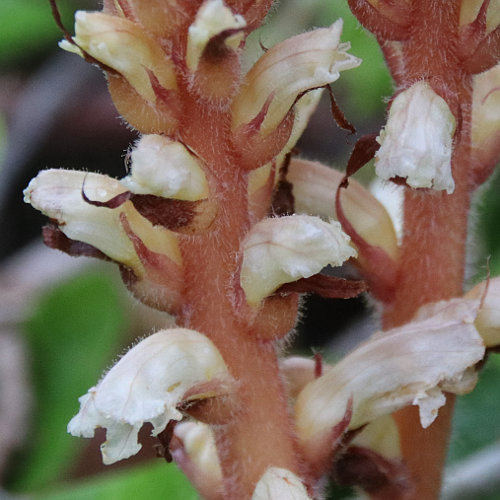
338, 114
53, 237
330, 287
380, 477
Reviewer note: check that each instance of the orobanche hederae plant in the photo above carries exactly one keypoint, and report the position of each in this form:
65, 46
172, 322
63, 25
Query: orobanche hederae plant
219, 223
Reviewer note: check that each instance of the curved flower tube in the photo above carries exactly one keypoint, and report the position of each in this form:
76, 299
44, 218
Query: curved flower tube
146, 385
284, 72
282, 250
411, 364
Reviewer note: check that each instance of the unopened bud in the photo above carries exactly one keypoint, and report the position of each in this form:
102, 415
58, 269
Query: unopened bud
163, 167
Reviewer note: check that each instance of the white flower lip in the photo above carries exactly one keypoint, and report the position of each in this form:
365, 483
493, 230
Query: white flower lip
299, 64
212, 18
163, 167
285, 249
417, 141
146, 385
280, 484
411, 364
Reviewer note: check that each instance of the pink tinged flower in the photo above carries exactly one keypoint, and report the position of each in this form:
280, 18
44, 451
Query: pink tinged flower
285, 249
212, 19
123, 46
146, 385
163, 167
313, 185
299, 64
412, 364
416, 144
278, 484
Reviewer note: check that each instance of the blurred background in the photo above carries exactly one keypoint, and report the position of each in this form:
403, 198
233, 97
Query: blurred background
63, 321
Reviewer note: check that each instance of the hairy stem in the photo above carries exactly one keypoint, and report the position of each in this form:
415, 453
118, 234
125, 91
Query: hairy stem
259, 434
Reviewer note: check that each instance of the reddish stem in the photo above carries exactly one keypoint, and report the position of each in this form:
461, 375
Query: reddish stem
435, 224
259, 434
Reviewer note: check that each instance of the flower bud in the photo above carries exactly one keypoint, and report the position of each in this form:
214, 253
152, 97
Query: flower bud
485, 128
125, 47
416, 143
146, 385
288, 69
163, 167
161, 18
285, 249
278, 484
212, 19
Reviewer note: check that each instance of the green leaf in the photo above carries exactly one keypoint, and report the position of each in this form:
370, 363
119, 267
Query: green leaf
73, 335
152, 481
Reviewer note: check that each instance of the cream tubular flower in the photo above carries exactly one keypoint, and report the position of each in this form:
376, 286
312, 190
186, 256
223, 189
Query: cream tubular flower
58, 194
146, 385
285, 249
280, 484
416, 143
125, 47
288, 69
412, 364
163, 167
212, 18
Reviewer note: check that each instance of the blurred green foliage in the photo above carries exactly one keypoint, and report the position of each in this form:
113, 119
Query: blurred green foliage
152, 481
73, 335
27, 28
